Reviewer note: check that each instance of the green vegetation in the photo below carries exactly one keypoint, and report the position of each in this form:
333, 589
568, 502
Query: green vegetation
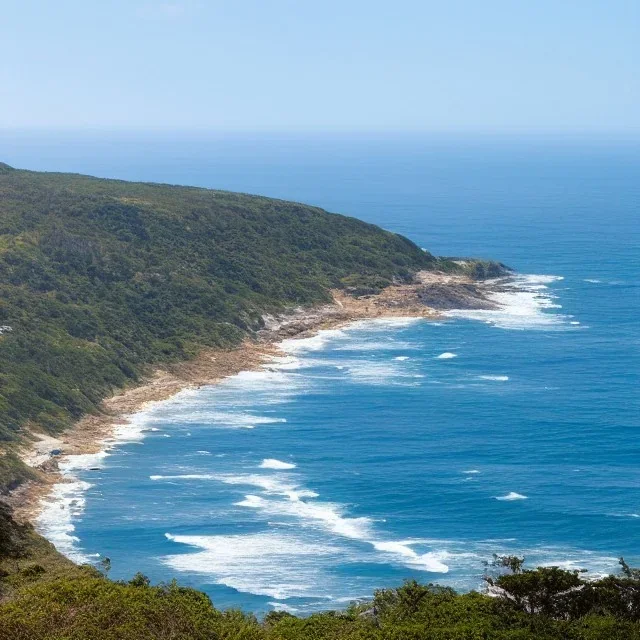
48, 598
100, 279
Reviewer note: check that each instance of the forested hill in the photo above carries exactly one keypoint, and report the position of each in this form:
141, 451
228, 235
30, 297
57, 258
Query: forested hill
101, 278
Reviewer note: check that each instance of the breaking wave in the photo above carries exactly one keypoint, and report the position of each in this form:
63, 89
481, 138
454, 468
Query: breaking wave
272, 463
512, 495
523, 301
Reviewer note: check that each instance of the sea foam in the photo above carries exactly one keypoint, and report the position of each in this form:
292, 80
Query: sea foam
512, 495
272, 564
523, 301
65, 503
272, 463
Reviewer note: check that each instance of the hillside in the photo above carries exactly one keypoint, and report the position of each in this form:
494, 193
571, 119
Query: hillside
102, 279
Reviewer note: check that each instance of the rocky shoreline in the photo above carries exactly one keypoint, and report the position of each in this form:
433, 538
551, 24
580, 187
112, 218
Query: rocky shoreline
427, 297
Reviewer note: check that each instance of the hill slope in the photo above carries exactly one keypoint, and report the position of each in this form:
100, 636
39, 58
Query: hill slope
100, 278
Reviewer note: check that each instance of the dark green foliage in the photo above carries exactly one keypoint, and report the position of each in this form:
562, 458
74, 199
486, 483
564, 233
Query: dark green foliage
89, 606
50, 599
13, 536
13, 471
101, 278
476, 269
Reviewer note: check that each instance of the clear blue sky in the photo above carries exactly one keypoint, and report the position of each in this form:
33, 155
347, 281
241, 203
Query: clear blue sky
307, 65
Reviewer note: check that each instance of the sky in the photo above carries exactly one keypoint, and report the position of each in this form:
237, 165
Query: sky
321, 65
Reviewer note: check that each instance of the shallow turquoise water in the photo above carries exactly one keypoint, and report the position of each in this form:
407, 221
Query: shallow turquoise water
366, 457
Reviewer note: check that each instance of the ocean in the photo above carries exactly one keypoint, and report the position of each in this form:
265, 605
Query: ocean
398, 448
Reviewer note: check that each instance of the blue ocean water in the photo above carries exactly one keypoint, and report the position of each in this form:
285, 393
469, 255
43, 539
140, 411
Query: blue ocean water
395, 448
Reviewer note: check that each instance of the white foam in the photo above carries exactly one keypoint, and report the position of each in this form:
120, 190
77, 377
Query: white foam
209, 416
314, 343
376, 345
81, 462
471, 471
401, 358
251, 501
348, 340
388, 322
65, 503
272, 463
186, 476
132, 431
593, 280
496, 378
271, 384
327, 515
285, 363
429, 561
281, 606
270, 564
512, 495
447, 355
523, 301
375, 372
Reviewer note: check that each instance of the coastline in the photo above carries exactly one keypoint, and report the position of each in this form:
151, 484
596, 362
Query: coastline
94, 434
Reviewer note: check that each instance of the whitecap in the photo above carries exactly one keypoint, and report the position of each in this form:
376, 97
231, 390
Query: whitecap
376, 345
185, 476
496, 378
272, 463
251, 501
512, 495
471, 471
430, 561
401, 358
447, 355
378, 373
208, 416
328, 515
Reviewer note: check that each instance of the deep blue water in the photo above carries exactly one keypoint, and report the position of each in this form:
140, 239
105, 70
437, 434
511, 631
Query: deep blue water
401, 457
